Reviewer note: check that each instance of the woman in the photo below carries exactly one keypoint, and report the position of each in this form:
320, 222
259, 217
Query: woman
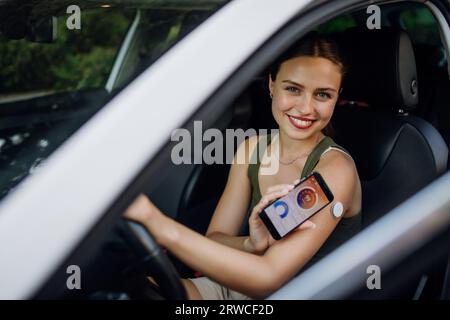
304, 86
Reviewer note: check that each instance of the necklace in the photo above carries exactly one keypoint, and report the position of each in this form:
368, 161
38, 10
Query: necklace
298, 157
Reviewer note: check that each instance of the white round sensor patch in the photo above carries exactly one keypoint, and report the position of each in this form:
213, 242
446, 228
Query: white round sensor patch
337, 209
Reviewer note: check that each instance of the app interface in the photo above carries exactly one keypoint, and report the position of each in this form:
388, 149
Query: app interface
297, 206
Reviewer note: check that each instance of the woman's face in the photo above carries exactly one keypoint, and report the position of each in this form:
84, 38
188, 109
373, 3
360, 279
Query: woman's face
305, 92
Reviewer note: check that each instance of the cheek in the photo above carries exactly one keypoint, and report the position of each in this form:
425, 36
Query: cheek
282, 103
278, 111
326, 110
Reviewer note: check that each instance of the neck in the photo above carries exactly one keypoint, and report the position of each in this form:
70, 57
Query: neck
292, 148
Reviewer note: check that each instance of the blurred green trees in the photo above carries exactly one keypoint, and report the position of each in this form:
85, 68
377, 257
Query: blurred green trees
78, 59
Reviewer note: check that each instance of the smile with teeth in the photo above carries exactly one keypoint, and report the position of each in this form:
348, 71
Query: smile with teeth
299, 123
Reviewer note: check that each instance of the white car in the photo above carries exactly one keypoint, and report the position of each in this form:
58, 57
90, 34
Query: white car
91, 92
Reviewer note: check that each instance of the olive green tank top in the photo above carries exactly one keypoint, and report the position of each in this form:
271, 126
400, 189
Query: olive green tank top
346, 227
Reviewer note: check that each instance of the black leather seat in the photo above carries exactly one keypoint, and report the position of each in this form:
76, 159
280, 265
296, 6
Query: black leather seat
395, 152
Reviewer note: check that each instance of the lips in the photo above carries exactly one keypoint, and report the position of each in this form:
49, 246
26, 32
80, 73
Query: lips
300, 122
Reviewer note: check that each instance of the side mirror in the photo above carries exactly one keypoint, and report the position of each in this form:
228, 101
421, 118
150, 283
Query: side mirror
19, 27
43, 30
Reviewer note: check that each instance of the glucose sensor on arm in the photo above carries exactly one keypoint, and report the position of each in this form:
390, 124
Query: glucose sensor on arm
337, 209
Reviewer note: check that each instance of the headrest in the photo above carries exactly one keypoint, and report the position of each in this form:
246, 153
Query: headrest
381, 68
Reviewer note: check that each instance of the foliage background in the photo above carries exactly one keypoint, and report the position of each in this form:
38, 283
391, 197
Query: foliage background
78, 59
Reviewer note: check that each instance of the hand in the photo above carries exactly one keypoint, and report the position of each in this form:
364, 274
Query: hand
260, 238
142, 210
163, 228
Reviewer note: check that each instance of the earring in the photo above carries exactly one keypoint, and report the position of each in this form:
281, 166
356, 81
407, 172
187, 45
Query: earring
271, 95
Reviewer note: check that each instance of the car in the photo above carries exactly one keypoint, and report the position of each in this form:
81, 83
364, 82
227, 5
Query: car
93, 94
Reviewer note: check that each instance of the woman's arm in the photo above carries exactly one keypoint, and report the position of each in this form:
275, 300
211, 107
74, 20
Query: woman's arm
242, 243
253, 275
212, 259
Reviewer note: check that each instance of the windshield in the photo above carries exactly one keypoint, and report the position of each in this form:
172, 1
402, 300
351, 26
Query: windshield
61, 62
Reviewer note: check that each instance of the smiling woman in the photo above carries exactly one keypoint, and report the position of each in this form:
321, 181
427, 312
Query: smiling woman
67, 213
320, 60
304, 85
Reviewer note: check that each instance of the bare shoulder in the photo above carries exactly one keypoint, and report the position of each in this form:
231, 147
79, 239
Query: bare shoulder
340, 163
339, 172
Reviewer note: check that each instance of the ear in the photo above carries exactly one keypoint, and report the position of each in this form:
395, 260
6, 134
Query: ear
271, 84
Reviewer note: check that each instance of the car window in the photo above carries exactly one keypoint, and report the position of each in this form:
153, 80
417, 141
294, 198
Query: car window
72, 62
415, 18
421, 25
58, 67
338, 24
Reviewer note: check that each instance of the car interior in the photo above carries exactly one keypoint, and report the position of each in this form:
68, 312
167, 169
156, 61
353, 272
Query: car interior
395, 114
392, 117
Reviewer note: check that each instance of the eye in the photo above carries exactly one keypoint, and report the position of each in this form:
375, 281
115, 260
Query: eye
323, 95
292, 89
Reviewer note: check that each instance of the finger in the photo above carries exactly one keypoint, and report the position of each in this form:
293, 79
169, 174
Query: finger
275, 195
279, 187
256, 210
264, 202
261, 205
140, 208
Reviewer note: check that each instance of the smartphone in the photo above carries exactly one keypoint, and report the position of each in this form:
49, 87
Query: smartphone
307, 198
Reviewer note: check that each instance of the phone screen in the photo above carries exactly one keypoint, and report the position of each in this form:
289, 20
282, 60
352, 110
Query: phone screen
288, 212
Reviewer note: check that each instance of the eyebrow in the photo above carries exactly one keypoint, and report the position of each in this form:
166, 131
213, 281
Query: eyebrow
299, 85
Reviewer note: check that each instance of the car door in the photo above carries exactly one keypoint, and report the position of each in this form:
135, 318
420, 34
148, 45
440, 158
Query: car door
53, 210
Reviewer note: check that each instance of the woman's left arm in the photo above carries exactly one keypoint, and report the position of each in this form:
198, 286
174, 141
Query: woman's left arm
253, 275
288, 255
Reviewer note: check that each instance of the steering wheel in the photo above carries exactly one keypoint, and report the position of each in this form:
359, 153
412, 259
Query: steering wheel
154, 259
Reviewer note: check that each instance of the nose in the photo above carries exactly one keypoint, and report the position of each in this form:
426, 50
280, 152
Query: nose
304, 104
